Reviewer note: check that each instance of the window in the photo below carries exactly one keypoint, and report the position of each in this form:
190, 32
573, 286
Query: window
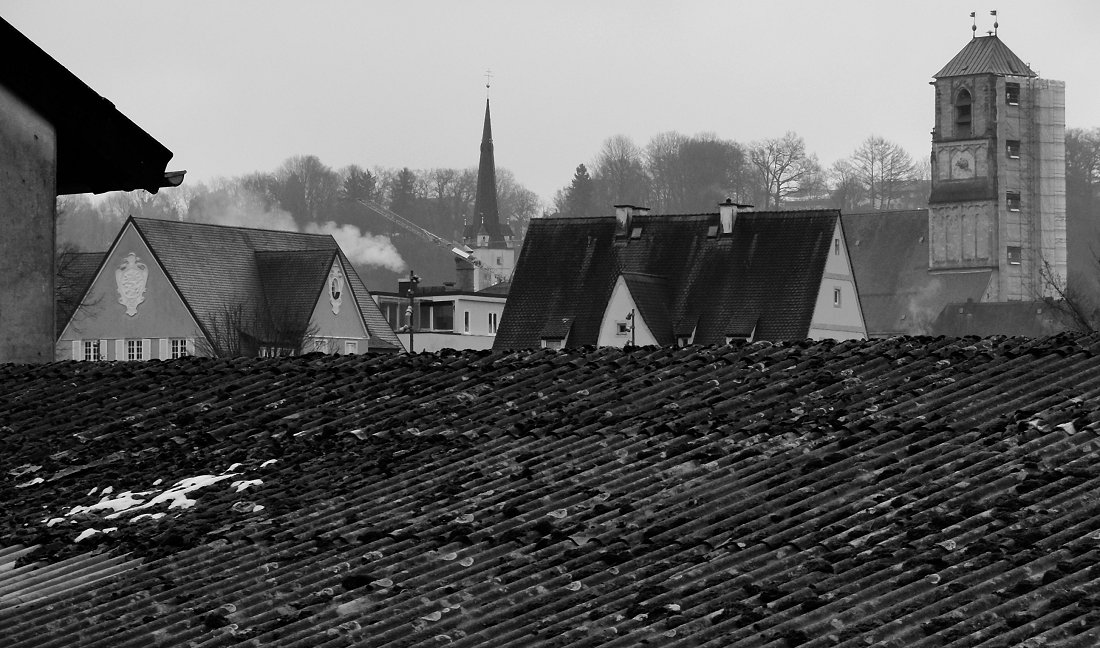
1014, 255
1012, 198
1012, 149
466, 321
712, 231
1012, 94
177, 348
500, 261
551, 343
622, 328
836, 247
443, 314
134, 350
962, 113
636, 233
683, 340
424, 317
492, 323
351, 347
836, 297
91, 350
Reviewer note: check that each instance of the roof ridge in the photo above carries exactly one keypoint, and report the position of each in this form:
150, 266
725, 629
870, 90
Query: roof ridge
190, 223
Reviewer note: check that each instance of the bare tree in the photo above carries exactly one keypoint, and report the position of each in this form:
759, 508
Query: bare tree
883, 169
619, 174
1078, 311
251, 328
782, 167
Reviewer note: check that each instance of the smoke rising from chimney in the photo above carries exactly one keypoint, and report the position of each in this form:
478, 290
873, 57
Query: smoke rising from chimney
360, 247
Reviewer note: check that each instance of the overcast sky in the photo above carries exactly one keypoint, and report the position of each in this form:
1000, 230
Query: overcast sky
233, 87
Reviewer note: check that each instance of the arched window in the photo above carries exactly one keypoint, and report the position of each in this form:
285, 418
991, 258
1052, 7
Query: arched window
962, 113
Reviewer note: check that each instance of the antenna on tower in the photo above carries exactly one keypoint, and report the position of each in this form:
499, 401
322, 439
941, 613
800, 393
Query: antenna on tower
488, 76
973, 25
995, 25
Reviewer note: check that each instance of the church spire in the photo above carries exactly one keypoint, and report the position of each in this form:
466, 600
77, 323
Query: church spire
486, 218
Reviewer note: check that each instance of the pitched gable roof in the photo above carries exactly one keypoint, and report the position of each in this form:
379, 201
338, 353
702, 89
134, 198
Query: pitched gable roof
889, 254
985, 55
768, 272
215, 265
912, 491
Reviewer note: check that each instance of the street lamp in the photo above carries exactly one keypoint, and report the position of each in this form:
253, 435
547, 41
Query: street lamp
413, 282
630, 318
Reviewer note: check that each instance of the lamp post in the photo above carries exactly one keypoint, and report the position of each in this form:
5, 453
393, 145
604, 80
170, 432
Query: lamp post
413, 282
630, 318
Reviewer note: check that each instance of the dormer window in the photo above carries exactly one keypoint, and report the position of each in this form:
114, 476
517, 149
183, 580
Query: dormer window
962, 113
1012, 94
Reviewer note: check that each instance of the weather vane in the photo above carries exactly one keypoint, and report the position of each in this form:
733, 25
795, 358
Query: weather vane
488, 78
973, 25
995, 25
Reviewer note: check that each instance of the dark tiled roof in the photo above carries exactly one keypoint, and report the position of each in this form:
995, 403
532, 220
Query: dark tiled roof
1030, 319
768, 271
651, 295
98, 148
906, 492
985, 55
292, 283
214, 265
75, 273
889, 253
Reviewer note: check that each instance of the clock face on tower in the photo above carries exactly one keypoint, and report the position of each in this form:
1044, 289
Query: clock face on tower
962, 165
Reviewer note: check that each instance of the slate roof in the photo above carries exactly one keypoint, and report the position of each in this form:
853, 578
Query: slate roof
889, 255
98, 148
768, 272
902, 492
292, 282
214, 265
75, 273
985, 55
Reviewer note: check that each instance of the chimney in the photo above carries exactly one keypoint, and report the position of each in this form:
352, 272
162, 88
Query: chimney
727, 212
623, 216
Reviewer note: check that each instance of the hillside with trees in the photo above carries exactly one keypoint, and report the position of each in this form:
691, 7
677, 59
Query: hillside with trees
306, 195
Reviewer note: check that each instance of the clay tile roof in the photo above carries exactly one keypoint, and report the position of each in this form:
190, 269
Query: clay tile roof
985, 55
902, 492
75, 273
768, 271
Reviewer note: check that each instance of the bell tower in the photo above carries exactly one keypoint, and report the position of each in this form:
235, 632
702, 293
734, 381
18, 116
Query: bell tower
998, 172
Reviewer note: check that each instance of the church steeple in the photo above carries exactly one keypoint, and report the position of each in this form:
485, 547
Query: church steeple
485, 228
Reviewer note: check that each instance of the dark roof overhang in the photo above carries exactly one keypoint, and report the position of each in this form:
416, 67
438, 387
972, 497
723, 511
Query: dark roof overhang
98, 148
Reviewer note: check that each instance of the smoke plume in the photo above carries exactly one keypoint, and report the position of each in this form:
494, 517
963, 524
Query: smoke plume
362, 248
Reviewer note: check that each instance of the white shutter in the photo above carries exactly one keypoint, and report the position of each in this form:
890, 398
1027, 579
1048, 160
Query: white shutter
78, 350
190, 346
101, 348
146, 346
120, 350
163, 355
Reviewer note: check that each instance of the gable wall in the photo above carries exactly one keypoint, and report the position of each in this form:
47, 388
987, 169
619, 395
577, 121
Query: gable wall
161, 315
344, 324
830, 320
618, 307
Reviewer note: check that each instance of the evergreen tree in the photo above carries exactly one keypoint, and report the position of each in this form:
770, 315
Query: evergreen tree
580, 197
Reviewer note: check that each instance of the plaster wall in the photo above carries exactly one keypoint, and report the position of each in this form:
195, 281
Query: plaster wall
618, 307
28, 186
338, 322
161, 313
831, 320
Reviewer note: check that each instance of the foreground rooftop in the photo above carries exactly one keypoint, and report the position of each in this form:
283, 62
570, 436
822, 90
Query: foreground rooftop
902, 492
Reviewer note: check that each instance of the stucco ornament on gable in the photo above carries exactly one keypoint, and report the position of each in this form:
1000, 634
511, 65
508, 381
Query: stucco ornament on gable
336, 289
130, 278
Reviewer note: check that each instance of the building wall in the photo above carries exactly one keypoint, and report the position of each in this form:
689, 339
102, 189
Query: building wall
833, 318
161, 313
618, 306
333, 325
980, 226
28, 195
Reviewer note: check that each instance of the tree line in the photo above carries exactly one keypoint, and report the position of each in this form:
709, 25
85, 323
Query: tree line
304, 194
676, 173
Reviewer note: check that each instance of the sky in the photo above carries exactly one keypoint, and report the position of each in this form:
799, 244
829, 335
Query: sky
235, 87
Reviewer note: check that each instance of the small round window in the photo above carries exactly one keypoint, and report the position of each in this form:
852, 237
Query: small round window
335, 286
